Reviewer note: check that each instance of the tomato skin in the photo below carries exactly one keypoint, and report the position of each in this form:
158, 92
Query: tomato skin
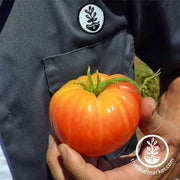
92, 125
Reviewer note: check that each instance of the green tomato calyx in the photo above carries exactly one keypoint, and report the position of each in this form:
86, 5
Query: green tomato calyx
101, 85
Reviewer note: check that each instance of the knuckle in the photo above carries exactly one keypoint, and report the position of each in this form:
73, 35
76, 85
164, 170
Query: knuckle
156, 124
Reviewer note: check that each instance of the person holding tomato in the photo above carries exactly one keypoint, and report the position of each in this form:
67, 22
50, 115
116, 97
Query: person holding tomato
66, 164
44, 44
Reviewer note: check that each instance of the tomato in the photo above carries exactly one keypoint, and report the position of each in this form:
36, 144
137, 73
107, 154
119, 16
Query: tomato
95, 124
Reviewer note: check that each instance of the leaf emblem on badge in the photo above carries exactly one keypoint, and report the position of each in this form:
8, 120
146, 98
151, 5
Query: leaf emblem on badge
91, 18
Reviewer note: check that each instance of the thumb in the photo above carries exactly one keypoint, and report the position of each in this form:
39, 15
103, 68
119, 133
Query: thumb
76, 165
150, 122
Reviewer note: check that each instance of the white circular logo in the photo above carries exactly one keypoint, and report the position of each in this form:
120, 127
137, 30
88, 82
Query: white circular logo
152, 158
91, 18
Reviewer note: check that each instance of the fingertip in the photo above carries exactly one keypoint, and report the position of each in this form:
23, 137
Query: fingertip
66, 151
52, 152
72, 160
50, 141
148, 107
149, 101
63, 148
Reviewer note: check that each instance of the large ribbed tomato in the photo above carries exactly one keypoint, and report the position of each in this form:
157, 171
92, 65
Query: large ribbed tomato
95, 124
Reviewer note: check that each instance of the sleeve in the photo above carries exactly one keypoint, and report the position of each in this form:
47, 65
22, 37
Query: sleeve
156, 29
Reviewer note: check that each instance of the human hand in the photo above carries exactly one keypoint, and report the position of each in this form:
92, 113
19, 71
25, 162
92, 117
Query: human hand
66, 164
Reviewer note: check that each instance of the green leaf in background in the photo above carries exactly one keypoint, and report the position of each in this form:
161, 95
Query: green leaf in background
142, 71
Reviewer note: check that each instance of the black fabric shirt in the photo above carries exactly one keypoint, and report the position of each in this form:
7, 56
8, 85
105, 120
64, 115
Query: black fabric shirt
44, 43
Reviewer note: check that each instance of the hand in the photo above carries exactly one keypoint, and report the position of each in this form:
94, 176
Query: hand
66, 164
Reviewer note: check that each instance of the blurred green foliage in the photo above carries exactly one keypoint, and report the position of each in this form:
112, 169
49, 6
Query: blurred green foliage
142, 71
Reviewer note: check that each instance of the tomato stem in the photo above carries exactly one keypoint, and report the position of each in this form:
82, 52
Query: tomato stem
108, 82
97, 89
148, 79
91, 83
85, 85
101, 85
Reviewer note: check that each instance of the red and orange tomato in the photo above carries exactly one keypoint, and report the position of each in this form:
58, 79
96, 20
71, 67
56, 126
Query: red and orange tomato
92, 124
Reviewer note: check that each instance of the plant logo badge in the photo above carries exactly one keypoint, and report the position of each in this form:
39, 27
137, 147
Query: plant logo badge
91, 18
152, 157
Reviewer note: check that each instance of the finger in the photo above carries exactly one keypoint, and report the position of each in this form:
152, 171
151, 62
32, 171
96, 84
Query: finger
147, 111
76, 165
151, 122
53, 159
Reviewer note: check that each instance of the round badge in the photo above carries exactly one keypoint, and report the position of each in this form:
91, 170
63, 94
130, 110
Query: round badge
91, 18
